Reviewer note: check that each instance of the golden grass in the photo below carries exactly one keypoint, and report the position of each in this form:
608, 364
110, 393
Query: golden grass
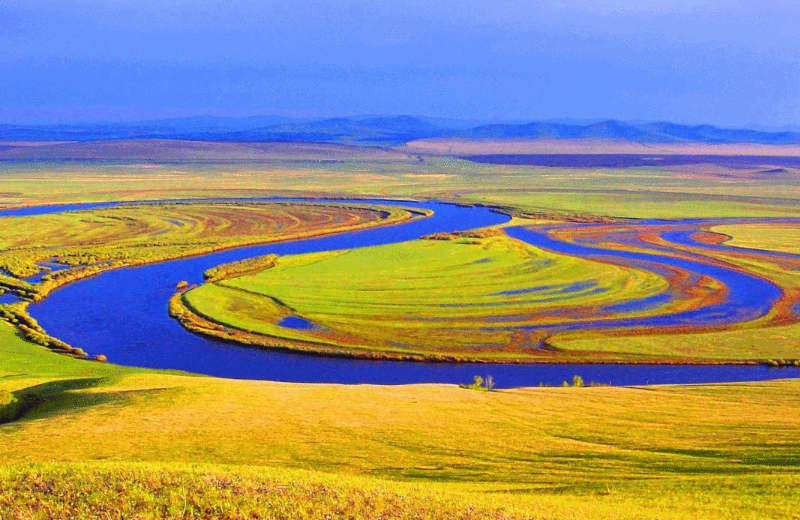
712, 451
773, 237
565, 438
156, 491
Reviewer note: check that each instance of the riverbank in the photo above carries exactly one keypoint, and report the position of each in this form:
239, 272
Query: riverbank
123, 337
515, 294
156, 438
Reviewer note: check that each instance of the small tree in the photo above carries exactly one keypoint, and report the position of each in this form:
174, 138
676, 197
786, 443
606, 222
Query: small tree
577, 381
478, 383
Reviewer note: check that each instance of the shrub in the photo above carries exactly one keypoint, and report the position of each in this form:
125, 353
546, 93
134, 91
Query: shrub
577, 381
478, 383
9, 406
6, 397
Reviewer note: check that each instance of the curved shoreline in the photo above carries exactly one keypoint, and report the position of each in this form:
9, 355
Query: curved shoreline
194, 321
68, 276
140, 321
17, 312
198, 324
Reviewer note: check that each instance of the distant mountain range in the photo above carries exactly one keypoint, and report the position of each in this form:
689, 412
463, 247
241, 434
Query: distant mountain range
389, 130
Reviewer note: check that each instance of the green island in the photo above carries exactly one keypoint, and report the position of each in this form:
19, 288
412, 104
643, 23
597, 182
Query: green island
424, 298
90, 439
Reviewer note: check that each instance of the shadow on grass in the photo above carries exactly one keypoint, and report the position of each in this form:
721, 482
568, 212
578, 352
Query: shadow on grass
53, 398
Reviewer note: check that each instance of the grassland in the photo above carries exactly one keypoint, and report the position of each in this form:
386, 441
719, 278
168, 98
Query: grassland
411, 172
90, 439
91, 240
485, 296
774, 237
433, 299
94, 439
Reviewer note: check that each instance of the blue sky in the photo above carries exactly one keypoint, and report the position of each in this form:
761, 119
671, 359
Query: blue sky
728, 63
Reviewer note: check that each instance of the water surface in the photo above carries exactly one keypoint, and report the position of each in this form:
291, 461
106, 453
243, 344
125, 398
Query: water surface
123, 314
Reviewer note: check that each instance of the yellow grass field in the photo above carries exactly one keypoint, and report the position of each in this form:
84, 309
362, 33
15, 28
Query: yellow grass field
710, 451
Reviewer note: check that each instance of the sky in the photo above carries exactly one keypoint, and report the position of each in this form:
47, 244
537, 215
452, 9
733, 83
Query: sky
727, 63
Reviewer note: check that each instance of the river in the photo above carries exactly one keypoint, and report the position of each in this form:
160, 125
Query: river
123, 314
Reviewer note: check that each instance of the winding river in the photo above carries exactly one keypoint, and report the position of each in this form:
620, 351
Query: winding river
122, 314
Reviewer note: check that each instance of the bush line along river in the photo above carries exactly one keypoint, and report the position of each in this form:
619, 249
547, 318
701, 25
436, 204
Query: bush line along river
122, 314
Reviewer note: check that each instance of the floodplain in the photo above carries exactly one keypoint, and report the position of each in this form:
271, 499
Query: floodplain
523, 292
85, 438
41, 252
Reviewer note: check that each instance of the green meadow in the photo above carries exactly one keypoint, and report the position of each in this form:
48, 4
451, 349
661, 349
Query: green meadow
86, 439
774, 237
424, 297
92, 439
454, 297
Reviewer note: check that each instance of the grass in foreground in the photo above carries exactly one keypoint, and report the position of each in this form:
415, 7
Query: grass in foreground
20, 359
156, 491
567, 439
404, 452
97, 439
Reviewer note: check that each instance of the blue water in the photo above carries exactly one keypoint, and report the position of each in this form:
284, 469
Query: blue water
122, 314
8, 298
44, 210
645, 304
749, 297
560, 288
297, 323
47, 268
